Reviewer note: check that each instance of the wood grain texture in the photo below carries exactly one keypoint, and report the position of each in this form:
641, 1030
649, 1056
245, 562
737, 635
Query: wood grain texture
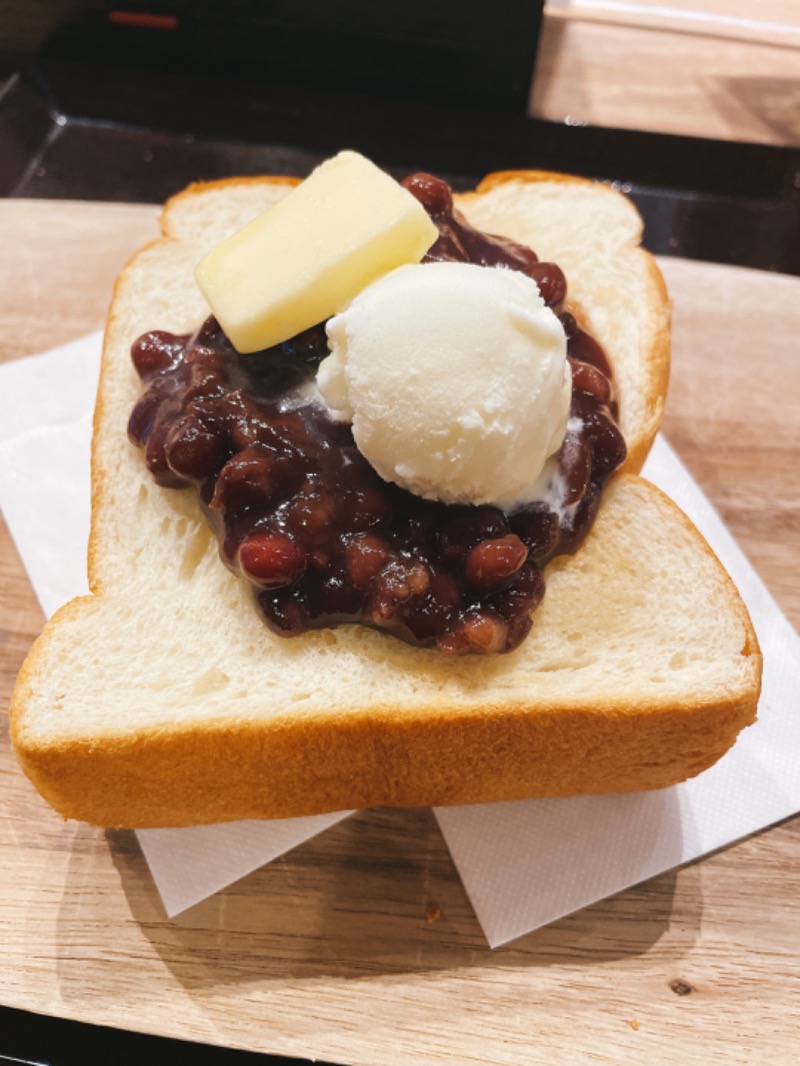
679, 67
360, 946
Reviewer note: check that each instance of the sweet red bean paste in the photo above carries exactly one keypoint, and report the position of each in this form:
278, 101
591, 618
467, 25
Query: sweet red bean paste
305, 518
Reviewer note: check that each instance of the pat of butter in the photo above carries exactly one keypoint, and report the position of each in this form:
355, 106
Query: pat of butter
345, 226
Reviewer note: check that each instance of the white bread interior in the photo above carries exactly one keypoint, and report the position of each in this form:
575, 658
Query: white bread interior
162, 699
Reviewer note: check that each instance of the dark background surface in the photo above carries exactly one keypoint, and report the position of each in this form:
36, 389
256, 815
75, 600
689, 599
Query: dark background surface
131, 100
70, 130
34, 1040
98, 107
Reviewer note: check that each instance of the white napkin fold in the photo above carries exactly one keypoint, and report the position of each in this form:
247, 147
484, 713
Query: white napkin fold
523, 864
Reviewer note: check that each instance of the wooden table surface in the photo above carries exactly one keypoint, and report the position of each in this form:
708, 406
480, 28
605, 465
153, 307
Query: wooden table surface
727, 69
360, 946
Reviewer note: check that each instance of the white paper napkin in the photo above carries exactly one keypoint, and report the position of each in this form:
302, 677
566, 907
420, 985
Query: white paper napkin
46, 406
523, 864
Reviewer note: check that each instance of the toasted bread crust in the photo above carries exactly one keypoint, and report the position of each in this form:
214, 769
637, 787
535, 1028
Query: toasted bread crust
133, 782
387, 753
476, 733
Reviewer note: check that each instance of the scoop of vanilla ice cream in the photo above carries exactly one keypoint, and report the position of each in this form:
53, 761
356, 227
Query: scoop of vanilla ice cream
455, 378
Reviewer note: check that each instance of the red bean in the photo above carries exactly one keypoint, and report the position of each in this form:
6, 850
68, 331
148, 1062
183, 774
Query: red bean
365, 557
271, 559
492, 563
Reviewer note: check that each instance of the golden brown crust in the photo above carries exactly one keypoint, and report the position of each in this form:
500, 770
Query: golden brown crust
501, 177
658, 362
99, 475
196, 187
243, 770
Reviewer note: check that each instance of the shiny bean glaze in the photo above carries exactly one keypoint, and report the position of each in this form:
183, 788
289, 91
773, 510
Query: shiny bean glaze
304, 517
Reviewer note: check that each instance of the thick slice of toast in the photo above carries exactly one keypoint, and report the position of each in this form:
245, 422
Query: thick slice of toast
163, 700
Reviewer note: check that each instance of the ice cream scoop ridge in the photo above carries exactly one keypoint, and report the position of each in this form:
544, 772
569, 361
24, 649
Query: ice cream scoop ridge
455, 378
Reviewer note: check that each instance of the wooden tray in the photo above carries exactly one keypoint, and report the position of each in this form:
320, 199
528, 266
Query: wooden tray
360, 946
